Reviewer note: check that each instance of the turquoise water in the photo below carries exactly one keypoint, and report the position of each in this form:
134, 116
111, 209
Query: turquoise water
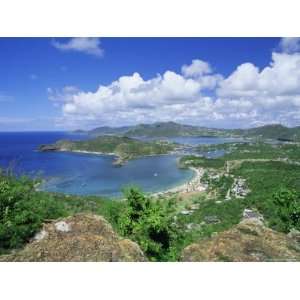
95, 174
88, 174
85, 174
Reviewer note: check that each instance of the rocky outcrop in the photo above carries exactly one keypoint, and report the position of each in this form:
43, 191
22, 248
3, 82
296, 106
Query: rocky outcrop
46, 148
82, 237
250, 240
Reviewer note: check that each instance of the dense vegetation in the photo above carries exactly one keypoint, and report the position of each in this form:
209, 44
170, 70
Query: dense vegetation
124, 147
23, 209
272, 174
164, 226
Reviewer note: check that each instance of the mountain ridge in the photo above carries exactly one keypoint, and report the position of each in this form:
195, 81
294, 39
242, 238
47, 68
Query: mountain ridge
173, 129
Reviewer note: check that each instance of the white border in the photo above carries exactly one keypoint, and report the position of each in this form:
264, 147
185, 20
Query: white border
149, 18
149, 280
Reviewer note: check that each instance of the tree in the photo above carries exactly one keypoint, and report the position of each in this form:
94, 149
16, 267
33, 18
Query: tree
149, 222
22, 211
287, 205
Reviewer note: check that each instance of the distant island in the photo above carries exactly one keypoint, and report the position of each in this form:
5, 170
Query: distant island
124, 148
172, 129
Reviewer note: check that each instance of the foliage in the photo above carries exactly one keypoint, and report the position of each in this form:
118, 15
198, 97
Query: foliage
287, 206
149, 223
124, 147
22, 211
196, 161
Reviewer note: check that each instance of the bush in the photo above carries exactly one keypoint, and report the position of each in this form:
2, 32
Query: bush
22, 211
149, 223
287, 207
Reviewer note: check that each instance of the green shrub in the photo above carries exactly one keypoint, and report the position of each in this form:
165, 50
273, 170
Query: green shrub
287, 207
22, 211
149, 223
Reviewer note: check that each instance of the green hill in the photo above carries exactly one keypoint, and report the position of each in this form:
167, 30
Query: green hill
158, 129
273, 131
172, 129
124, 148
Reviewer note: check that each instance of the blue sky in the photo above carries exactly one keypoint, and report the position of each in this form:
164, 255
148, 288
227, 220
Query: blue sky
53, 84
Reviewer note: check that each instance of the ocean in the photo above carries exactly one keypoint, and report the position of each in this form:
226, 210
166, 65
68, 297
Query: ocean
85, 174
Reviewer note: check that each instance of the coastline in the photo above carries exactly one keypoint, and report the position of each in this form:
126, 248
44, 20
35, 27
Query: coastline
119, 161
193, 185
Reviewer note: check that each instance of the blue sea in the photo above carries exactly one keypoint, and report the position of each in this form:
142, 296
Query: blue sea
87, 174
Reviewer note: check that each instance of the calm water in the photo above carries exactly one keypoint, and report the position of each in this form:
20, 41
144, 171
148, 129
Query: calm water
85, 174
193, 141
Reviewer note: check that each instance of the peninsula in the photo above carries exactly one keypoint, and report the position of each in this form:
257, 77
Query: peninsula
124, 148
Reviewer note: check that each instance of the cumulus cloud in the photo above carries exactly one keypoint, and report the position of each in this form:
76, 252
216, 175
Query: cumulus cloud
280, 78
272, 93
249, 96
132, 99
88, 45
290, 44
196, 68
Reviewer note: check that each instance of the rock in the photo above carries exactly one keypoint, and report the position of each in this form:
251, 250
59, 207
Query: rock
295, 235
250, 240
83, 237
186, 212
40, 235
252, 214
62, 226
44, 148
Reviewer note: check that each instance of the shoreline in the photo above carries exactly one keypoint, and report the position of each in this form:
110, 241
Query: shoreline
119, 161
193, 185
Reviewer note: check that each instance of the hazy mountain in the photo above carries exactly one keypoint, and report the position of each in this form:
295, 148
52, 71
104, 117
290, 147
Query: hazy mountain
273, 131
172, 129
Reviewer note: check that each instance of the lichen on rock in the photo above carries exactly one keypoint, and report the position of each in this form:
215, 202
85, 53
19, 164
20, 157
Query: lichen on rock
250, 240
82, 237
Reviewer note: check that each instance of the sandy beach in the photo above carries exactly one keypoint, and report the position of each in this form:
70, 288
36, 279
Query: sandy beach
194, 185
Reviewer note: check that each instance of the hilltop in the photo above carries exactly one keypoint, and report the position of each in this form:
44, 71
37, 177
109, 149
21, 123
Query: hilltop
158, 129
172, 129
250, 240
272, 131
124, 148
82, 237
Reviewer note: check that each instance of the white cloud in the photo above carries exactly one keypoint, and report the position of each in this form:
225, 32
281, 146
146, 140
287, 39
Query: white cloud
196, 68
290, 44
132, 99
90, 46
280, 78
270, 94
249, 96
